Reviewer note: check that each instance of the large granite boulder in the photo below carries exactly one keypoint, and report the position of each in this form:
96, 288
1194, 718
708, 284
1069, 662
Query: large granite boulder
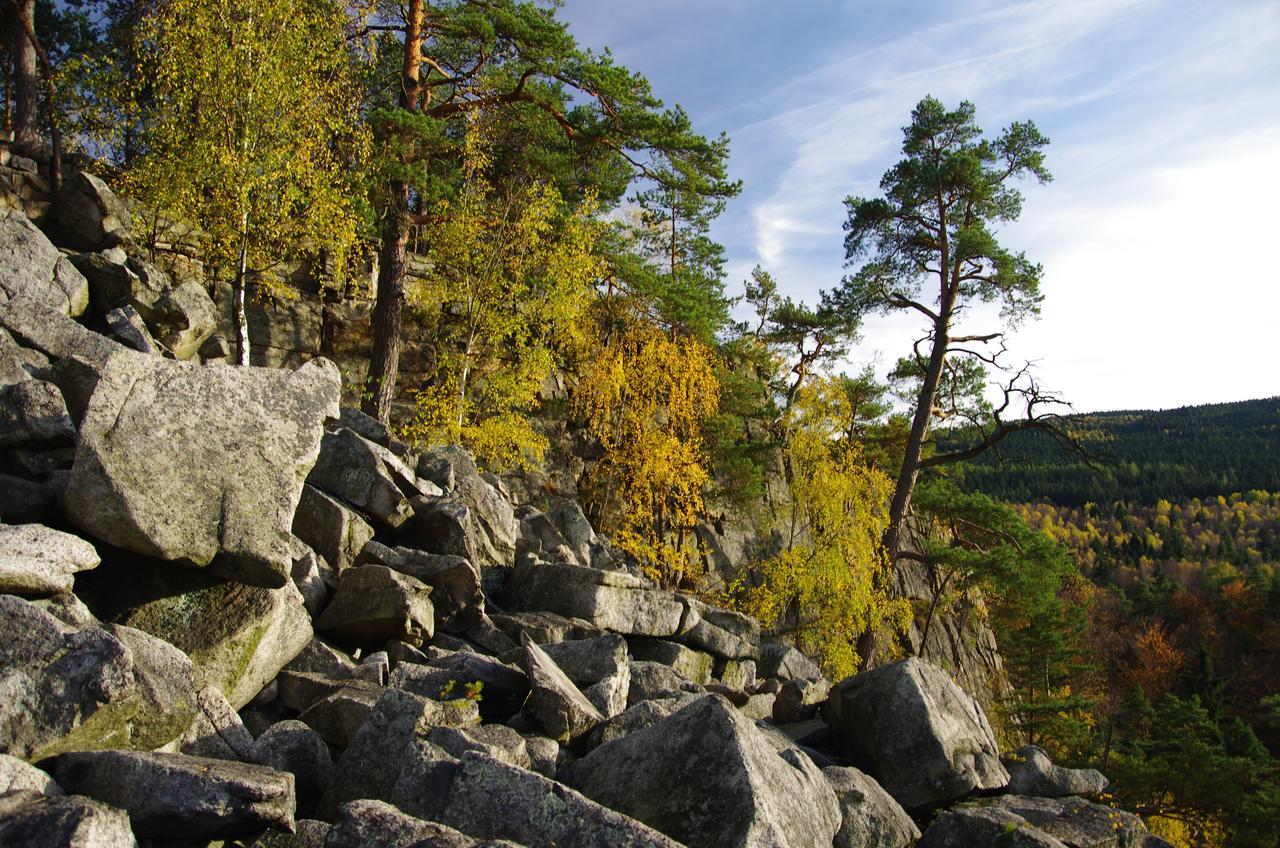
32, 269
173, 795
376, 824
200, 465
871, 818
968, 826
89, 214
612, 600
67, 688
490, 799
915, 731
1033, 773
365, 475
374, 604
708, 776
19, 776
455, 580
239, 637
554, 701
38, 560
217, 731
28, 820
294, 747
1076, 822
472, 520
33, 411
726, 634
330, 528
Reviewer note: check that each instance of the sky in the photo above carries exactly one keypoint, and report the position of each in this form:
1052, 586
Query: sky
1159, 235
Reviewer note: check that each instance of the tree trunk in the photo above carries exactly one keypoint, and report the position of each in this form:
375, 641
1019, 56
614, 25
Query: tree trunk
384, 359
239, 319
910, 471
26, 83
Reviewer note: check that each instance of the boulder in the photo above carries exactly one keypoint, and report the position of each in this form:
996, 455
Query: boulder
26, 502
33, 411
371, 764
34, 272
293, 747
726, 634
588, 661
238, 445
310, 833
374, 604
19, 776
786, 663
502, 688
67, 688
128, 328
217, 731
871, 818
296, 691
544, 627
472, 520
1075, 822
557, 705
694, 666
238, 636
493, 740
612, 600
319, 657
422, 787
355, 470
1033, 773
458, 597
374, 824
491, 799
38, 560
329, 528
17, 363
182, 319
965, 826
651, 680
33, 821
915, 731
708, 776
172, 795
89, 214
339, 716
50, 332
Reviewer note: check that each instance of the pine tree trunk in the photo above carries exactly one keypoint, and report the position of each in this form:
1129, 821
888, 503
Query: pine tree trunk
26, 83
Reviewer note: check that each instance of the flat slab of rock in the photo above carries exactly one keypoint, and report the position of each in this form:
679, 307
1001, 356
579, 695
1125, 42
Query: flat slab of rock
374, 604
33, 821
558, 705
1076, 822
375, 824
726, 634
490, 799
217, 731
1035, 774
708, 776
38, 560
68, 688
917, 733
172, 795
984, 826
612, 600
201, 465
871, 818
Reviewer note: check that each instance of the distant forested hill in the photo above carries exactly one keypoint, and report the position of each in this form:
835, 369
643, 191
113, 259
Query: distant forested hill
1192, 452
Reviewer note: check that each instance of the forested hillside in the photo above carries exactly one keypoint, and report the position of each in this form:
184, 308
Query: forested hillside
1139, 456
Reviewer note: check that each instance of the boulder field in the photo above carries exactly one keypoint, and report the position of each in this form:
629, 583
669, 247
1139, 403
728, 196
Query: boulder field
233, 612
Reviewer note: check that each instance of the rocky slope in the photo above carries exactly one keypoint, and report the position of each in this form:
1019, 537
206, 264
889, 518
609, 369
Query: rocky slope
232, 611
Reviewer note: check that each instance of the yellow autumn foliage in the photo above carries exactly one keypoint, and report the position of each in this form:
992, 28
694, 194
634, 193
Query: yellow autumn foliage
644, 395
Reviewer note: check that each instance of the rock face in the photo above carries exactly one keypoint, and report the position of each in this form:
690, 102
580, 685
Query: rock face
917, 733
1037, 775
331, 529
36, 560
32, 821
871, 818
171, 795
64, 688
238, 443
664, 774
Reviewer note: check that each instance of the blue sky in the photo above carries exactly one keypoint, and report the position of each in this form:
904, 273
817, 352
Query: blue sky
1160, 234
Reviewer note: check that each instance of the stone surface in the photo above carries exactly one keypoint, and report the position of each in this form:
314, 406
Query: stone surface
89, 214
651, 680
217, 731
354, 470
25, 501
458, 598
503, 688
786, 663
320, 657
183, 319
493, 740
128, 328
32, 269
707, 776
473, 520
374, 604
871, 818
1075, 822
67, 688
171, 795
16, 775
694, 666
726, 634
33, 411
916, 732
238, 445
238, 636
309, 834
557, 705
1035, 774
491, 799
611, 600
32, 821
338, 717
374, 824
294, 747
38, 560
333, 530
969, 826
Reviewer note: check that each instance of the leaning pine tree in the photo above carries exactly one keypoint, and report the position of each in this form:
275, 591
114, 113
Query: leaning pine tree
255, 114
